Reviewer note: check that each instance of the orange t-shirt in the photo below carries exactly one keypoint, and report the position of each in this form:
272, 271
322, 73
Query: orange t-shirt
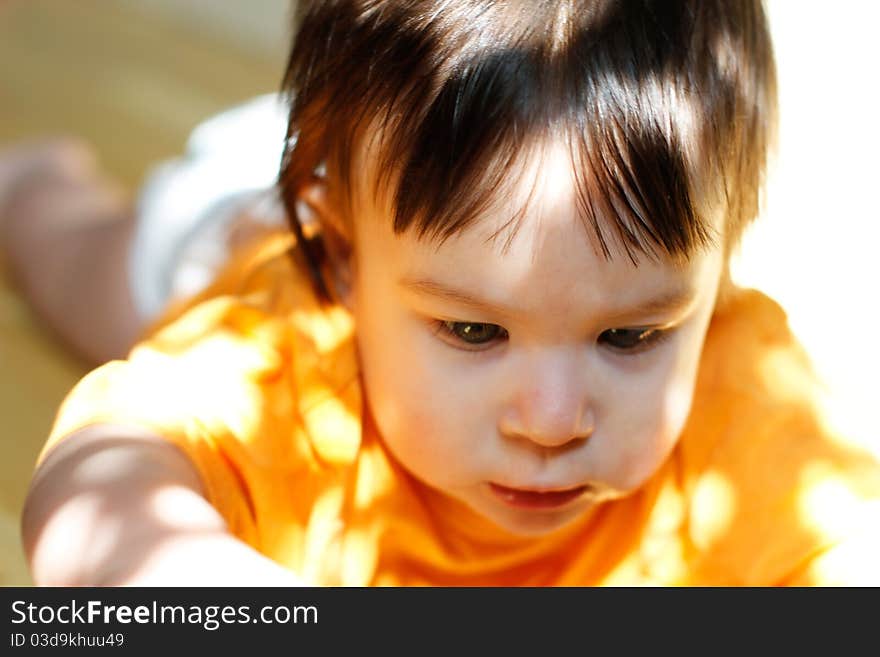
258, 384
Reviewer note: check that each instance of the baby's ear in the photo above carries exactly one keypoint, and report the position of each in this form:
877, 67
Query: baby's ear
320, 213
319, 210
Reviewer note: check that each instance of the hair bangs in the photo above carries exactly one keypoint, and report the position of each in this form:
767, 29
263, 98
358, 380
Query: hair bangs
636, 186
666, 108
465, 149
626, 125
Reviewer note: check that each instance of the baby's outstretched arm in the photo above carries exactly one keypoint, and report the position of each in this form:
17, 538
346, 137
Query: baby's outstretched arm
115, 505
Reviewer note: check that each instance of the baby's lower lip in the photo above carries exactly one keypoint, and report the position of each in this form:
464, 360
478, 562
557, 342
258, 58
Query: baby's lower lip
532, 499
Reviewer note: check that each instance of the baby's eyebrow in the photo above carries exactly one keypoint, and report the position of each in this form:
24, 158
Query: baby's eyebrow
675, 300
670, 301
433, 288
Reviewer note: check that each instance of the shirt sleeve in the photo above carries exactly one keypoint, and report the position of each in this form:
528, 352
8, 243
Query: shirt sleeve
777, 494
197, 384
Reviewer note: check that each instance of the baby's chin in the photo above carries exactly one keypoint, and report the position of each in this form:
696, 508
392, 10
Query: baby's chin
544, 525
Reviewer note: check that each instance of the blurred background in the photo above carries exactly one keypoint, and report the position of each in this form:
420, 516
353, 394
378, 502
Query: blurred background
135, 76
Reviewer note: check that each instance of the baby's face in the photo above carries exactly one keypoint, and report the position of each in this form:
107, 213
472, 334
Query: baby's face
532, 383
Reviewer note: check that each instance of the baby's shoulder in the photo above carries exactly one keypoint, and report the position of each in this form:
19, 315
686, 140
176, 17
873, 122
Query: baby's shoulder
764, 471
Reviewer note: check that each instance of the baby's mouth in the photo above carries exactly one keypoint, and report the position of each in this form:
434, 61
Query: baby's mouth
537, 499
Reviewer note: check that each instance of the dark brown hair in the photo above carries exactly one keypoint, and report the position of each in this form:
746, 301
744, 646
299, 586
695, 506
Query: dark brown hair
667, 108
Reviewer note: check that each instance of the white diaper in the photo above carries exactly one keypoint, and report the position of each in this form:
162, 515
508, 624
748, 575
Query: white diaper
231, 164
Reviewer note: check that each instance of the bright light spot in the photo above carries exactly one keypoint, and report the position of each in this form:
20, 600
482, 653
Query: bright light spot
334, 430
374, 479
180, 508
712, 507
360, 555
852, 562
322, 550
827, 504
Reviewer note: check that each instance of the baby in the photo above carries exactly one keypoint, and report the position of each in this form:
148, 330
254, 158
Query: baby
500, 346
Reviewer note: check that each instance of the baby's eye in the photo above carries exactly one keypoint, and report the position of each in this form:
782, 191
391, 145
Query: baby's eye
631, 340
473, 333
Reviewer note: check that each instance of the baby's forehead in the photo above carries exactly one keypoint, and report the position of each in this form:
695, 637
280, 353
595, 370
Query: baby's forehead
549, 238
546, 251
550, 276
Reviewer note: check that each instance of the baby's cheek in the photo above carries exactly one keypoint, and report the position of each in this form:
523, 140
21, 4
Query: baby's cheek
417, 426
647, 436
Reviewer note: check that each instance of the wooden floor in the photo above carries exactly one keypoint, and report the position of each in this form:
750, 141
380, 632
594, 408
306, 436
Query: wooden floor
134, 84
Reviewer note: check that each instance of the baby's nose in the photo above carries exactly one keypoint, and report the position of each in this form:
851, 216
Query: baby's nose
552, 409
552, 429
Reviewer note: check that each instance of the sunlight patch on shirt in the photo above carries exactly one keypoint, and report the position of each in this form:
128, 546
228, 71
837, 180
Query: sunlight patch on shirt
828, 505
322, 552
712, 509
